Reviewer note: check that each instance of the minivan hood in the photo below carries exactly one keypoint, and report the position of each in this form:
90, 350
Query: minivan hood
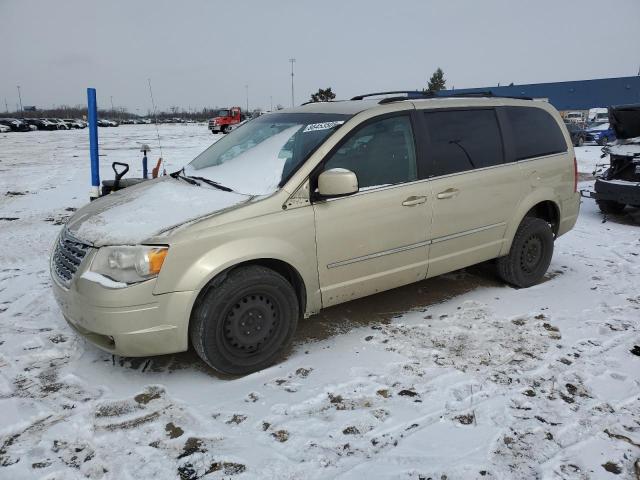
137, 213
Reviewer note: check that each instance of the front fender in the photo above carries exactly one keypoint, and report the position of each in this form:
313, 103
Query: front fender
192, 265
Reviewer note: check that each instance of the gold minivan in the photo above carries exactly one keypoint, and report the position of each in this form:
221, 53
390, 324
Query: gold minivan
309, 207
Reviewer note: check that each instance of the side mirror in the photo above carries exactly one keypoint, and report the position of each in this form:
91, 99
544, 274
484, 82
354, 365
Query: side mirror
337, 182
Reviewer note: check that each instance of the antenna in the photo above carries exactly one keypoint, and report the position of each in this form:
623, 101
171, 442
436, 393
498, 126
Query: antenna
155, 118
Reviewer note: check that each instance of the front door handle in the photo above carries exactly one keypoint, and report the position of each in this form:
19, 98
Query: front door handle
411, 201
448, 193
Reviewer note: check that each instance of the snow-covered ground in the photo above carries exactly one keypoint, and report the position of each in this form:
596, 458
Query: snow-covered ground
457, 377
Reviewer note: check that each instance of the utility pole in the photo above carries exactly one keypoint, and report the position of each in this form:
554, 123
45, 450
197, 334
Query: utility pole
292, 60
6, 105
112, 109
20, 97
271, 100
246, 87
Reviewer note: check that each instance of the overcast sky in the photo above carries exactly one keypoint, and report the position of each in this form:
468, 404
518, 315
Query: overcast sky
203, 52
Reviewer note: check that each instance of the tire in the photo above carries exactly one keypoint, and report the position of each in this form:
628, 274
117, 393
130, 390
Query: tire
580, 141
603, 141
609, 206
530, 254
226, 128
255, 298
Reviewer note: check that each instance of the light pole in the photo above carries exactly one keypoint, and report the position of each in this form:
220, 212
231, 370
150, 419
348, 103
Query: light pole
246, 87
292, 60
20, 97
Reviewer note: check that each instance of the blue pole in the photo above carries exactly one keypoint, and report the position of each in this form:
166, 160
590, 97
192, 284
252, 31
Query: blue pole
144, 166
92, 109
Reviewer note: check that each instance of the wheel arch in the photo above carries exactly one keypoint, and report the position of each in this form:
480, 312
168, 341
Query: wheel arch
288, 271
539, 207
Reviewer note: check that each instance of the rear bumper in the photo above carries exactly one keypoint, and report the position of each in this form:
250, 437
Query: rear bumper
620, 191
130, 321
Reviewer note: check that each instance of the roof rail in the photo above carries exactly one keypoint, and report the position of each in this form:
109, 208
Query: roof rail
416, 94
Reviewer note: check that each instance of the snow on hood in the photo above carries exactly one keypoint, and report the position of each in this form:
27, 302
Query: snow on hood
132, 215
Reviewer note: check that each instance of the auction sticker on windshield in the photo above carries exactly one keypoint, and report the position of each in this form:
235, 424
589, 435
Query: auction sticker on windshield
314, 127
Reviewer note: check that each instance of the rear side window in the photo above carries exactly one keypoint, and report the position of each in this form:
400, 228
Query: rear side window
461, 140
534, 132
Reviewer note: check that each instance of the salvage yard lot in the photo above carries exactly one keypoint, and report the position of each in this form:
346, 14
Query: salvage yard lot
457, 376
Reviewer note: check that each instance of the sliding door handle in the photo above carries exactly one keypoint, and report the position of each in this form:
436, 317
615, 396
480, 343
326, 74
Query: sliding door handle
448, 193
411, 201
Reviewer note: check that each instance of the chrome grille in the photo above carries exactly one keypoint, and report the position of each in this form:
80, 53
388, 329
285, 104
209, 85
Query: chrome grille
67, 256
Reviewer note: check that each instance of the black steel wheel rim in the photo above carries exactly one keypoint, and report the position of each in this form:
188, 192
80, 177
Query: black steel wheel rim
532, 252
250, 324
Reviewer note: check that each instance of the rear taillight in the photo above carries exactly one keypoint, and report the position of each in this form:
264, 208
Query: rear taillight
575, 174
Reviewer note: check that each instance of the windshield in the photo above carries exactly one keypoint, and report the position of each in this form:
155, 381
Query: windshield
223, 113
258, 157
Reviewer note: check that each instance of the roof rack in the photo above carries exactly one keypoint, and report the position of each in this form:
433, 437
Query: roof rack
416, 94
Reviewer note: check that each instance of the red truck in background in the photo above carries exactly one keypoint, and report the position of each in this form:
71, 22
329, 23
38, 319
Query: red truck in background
225, 120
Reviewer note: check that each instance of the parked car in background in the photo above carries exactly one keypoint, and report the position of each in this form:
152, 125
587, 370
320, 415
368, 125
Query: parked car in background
74, 123
60, 125
598, 115
15, 125
574, 117
577, 133
619, 185
310, 207
4, 129
107, 123
601, 134
42, 123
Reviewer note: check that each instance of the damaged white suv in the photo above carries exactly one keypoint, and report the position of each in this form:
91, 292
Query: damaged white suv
310, 207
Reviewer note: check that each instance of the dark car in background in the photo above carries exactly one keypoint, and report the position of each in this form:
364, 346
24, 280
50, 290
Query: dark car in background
619, 185
577, 133
15, 124
42, 123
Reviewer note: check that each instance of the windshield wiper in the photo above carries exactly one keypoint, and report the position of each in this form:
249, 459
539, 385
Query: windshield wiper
213, 183
183, 177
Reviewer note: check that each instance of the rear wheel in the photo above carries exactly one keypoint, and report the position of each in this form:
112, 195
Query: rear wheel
609, 206
530, 254
603, 141
580, 141
245, 323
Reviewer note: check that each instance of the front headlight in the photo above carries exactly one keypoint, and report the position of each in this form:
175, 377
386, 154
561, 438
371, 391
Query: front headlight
129, 264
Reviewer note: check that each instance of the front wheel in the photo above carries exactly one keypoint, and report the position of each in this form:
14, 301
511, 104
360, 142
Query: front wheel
580, 141
530, 254
244, 323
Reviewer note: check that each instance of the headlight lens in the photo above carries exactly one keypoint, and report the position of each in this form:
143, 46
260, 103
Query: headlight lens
129, 264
